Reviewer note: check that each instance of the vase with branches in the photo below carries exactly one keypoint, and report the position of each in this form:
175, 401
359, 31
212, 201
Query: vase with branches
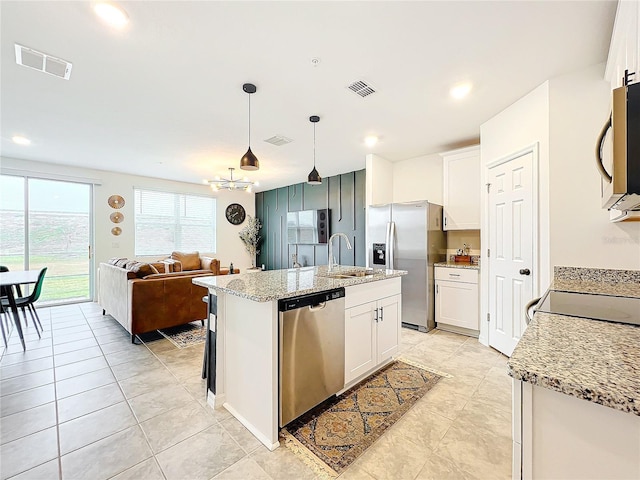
250, 236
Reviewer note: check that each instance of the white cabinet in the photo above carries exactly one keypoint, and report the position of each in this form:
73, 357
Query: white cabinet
457, 300
372, 326
461, 189
624, 52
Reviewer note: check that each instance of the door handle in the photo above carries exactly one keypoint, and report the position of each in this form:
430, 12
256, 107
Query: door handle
525, 271
376, 317
381, 315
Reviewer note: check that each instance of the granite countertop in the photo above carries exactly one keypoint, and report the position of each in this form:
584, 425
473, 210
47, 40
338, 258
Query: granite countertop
277, 284
470, 266
589, 359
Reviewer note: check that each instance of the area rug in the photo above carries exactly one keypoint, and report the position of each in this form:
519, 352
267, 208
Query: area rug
186, 335
337, 431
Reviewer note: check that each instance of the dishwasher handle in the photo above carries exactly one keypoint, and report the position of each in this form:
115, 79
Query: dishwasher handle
319, 306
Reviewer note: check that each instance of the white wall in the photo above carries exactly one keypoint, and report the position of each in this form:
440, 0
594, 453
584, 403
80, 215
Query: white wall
418, 178
521, 125
229, 248
379, 180
580, 232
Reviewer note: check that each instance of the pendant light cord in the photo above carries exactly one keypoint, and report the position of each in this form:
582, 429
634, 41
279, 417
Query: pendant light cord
314, 145
249, 120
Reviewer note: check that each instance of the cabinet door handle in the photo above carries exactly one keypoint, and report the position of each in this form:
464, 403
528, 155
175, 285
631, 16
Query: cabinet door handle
454, 274
437, 289
381, 316
376, 317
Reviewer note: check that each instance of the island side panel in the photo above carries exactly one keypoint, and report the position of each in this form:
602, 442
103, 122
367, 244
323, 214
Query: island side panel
251, 365
571, 438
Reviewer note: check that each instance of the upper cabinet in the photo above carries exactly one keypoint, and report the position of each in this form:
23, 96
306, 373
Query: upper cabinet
624, 52
462, 189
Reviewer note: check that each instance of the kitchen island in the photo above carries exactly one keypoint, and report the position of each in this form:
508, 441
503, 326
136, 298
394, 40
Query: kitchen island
247, 334
576, 387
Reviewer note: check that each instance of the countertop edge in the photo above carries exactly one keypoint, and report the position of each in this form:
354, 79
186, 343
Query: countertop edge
467, 266
627, 405
336, 283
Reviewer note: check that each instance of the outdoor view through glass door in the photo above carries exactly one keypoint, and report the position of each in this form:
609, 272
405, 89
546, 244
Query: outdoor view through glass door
47, 223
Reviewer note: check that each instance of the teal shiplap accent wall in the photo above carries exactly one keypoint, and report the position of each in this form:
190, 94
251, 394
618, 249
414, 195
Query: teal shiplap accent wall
343, 195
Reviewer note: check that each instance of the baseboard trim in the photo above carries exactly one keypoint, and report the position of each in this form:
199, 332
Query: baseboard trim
256, 433
459, 330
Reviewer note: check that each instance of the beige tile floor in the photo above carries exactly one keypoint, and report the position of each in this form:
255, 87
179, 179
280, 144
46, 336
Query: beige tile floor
84, 403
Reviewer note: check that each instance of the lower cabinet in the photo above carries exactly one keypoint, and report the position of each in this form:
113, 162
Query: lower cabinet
372, 335
457, 300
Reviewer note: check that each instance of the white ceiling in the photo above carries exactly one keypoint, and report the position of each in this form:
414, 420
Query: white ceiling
164, 97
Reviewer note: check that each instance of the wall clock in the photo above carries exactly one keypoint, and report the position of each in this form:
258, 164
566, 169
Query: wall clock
235, 214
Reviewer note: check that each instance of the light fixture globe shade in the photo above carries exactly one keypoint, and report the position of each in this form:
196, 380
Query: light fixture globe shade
249, 161
314, 177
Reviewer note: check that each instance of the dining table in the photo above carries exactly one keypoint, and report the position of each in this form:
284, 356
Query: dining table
9, 280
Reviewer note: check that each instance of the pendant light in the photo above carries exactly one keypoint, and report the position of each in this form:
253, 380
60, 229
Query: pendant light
314, 176
249, 161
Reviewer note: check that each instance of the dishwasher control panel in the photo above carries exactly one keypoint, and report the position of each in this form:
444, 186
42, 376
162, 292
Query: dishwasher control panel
302, 301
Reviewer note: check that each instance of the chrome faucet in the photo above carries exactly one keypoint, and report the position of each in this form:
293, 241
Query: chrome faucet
346, 239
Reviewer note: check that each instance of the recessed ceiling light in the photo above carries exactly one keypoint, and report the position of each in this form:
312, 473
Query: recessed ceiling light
371, 140
20, 140
111, 14
460, 90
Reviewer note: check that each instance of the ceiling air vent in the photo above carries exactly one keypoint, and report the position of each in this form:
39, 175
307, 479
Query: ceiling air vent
28, 57
278, 140
361, 88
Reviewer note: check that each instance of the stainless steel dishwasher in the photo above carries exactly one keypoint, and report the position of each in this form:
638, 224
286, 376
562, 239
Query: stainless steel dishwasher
311, 351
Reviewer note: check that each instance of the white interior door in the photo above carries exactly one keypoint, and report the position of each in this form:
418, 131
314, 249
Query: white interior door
511, 234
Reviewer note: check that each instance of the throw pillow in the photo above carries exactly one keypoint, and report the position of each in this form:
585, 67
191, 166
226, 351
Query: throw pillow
122, 262
189, 261
141, 269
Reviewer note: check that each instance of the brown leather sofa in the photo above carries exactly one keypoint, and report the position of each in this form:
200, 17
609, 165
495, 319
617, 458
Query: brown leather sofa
146, 297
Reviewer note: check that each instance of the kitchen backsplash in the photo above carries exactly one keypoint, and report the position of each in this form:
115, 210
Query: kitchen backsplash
456, 239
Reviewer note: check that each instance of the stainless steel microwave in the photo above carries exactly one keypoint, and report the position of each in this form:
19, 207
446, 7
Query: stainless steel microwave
618, 151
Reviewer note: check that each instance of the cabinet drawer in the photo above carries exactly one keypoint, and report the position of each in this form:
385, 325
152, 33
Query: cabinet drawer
372, 291
457, 274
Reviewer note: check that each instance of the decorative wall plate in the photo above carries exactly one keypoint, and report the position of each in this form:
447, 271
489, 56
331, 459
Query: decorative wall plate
116, 217
115, 201
116, 231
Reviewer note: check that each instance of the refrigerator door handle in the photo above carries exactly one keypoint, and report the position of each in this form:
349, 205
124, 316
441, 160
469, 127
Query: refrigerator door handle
392, 246
387, 238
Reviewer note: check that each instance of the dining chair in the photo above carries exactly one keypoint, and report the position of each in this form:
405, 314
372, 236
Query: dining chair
18, 289
29, 301
4, 314
3, 320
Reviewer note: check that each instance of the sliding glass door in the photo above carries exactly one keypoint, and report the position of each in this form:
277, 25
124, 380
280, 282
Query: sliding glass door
48, 223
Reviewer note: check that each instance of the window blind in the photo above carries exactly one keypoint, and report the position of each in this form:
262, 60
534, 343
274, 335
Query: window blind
166, 221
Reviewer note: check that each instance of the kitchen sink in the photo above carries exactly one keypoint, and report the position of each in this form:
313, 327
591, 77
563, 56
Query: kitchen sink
355, 274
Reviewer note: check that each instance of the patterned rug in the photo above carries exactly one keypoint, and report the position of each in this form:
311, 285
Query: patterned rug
186, 335
337, 431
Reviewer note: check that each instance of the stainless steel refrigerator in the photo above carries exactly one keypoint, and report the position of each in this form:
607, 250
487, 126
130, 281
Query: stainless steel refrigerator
409, 236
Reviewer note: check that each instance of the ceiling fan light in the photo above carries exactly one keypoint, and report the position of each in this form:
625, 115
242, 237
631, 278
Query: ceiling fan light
249, 161
314, 177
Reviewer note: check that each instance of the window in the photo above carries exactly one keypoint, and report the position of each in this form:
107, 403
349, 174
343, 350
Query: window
166, 221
